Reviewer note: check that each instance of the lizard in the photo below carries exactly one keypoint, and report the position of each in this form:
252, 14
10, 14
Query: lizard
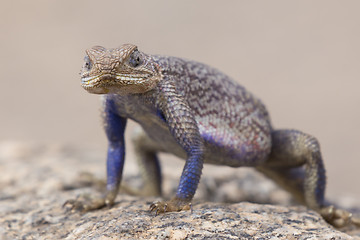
199, 114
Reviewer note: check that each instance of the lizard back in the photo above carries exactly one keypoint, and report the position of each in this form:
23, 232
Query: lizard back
232, 121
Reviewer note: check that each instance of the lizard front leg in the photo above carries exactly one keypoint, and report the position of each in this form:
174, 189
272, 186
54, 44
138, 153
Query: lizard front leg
183, 127
114, 127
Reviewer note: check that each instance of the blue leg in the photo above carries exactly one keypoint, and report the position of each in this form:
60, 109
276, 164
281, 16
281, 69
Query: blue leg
114, 128
190, 178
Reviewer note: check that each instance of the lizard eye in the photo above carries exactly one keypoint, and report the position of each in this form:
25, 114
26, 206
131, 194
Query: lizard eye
87, 64
135, 59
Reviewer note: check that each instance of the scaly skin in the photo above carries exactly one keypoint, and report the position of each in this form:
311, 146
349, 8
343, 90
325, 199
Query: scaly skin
197, 113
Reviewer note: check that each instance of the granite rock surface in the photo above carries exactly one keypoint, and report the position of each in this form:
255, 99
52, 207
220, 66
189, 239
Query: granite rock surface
36, 180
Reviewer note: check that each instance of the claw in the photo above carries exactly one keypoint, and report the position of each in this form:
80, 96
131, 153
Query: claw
153, 206
70, 202
72, 205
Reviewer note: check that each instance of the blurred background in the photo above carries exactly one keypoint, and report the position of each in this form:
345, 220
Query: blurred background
301, 58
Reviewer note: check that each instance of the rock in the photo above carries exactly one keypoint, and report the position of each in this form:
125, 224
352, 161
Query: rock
34, 178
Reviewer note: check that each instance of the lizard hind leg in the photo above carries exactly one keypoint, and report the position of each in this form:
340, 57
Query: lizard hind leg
149, 166
295, 163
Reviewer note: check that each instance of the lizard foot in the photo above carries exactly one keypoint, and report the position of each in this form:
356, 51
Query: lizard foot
86, 203
174, 205
338, 217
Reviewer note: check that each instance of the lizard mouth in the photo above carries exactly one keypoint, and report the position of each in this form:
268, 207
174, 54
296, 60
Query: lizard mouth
102, 84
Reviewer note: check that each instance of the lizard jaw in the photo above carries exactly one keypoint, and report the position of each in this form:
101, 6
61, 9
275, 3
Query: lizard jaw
119, 83
94, 84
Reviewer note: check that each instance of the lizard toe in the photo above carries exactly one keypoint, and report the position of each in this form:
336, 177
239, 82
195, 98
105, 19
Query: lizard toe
339, 217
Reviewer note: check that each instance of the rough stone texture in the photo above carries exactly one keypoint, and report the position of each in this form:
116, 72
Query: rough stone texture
33, 179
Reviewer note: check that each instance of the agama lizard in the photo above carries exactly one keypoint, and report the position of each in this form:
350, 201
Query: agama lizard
199, 114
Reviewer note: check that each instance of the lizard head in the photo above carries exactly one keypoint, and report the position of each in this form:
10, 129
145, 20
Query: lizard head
123, 70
